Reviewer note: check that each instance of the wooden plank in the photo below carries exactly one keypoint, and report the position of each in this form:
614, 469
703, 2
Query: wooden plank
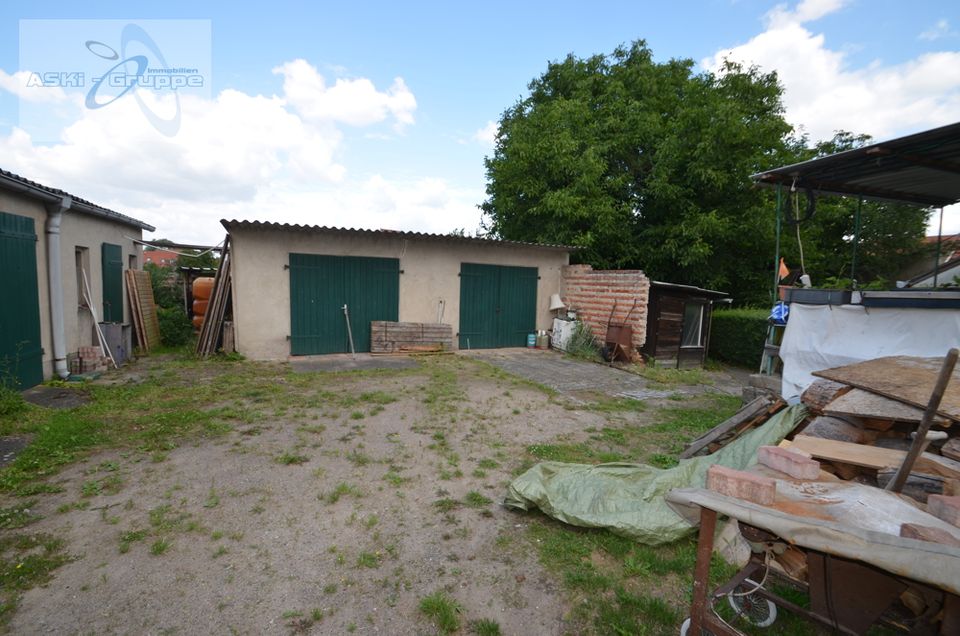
135, 310
951, 449
144, 309
821, 393
904, 378
745, 414
864, 404
872, 456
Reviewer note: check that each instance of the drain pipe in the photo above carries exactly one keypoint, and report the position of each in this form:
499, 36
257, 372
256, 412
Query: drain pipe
55, 284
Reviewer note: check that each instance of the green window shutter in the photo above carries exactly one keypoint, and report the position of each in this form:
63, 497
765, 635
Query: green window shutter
21, 354
111, 263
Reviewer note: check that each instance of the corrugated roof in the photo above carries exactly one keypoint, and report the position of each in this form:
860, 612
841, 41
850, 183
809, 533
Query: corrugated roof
287, 227
81, 205
922, 169
688, 288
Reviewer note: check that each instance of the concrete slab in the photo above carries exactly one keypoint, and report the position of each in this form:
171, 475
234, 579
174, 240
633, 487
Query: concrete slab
55, 397
346, 362
10, 447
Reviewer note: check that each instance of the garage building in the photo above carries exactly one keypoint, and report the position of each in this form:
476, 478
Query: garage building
290, 284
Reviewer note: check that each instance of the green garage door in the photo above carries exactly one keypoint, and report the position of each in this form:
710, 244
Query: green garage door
498, 305
319, 288
21, 357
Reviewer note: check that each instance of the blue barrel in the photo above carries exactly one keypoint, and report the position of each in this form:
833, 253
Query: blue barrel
531, 340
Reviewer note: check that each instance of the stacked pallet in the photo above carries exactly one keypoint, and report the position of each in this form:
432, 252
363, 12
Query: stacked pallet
409, 337
143, 309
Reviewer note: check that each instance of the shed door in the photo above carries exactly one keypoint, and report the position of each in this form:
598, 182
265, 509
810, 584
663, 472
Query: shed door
21, 355
112, 271
498, 305
321, 285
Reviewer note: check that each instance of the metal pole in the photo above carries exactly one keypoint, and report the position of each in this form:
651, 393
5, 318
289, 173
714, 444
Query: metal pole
776, 254
856, 239
920, 439
346, 316
936, 263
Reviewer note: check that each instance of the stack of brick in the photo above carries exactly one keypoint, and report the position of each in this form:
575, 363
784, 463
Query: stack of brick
594, 294
92, 360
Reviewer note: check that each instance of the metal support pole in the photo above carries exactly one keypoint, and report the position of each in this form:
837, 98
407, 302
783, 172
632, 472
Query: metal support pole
936, 263
856, 239
776, 254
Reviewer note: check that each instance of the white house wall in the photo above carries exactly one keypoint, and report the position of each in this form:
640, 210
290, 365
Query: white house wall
431, 268
76, 229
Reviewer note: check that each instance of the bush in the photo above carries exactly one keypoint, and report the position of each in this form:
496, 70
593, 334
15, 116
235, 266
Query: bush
175, 328
583, 345
737, 336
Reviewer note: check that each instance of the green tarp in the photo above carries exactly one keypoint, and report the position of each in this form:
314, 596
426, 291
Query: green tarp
629, 499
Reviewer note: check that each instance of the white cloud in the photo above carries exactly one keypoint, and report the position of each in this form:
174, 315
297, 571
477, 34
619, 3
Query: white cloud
488, 134
240, 156
356, 102
939, 30
19, 84
824, 93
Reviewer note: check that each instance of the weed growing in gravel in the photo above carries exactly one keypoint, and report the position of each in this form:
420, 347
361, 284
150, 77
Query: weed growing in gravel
25, 562
475, 500
442, 610
342, 489
484, 627
288, 459
18, 516
368, 560
160, 546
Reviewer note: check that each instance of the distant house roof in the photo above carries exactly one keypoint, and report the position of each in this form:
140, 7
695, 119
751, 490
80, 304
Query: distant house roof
922, 169
11, 181
159, 257
261, 225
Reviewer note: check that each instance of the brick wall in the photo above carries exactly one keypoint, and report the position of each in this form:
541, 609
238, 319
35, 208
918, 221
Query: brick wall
592, 294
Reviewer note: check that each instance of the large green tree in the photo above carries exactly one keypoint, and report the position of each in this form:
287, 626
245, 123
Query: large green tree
647, 165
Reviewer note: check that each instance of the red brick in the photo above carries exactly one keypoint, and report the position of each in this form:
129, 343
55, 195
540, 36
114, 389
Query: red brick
793, 464
926, 533
946, 508
742, 485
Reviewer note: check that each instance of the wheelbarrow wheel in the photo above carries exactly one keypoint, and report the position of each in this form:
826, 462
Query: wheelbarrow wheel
685, 627
753, 607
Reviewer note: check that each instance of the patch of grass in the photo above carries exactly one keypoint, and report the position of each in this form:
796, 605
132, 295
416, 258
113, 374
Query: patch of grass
25, 562
368, 560
673, 377
289, 459
484, 627
212, 500
476, 500
574, 453
488, 463
330, 588
617, 405
395, 479
358, 457
342, 489
18, 516
130, 537
446, 504
443, 610
219, 552
160, 546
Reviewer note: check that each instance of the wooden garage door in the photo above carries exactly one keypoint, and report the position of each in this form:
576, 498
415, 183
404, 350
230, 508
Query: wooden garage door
321, 285
21, 356
498, 305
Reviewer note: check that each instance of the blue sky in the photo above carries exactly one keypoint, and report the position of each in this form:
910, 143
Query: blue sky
400, 141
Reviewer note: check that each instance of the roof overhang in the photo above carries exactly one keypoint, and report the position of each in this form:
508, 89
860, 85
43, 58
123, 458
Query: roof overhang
688, 289
921, 169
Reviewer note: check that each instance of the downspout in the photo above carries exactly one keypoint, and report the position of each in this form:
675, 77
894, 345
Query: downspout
55, 285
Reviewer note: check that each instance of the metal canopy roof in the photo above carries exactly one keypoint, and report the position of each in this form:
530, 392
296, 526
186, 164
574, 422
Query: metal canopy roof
922, 169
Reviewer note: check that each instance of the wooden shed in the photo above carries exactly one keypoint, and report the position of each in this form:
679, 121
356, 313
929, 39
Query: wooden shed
678, 324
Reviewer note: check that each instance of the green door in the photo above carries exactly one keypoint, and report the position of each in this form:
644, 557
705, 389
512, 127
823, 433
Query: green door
321, 285
111, 263
21, 356
498, 305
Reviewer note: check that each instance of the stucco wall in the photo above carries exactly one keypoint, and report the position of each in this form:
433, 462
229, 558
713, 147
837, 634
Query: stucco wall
431, 268
76, 229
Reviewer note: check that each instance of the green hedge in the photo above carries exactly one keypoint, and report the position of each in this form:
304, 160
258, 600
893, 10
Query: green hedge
737, 336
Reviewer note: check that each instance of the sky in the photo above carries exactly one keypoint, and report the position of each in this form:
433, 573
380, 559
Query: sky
380, 115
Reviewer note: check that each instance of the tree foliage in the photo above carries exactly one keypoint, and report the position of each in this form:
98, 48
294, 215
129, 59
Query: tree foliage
647, 165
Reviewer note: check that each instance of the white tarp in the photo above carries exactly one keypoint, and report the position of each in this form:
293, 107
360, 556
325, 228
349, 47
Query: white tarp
824, 336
